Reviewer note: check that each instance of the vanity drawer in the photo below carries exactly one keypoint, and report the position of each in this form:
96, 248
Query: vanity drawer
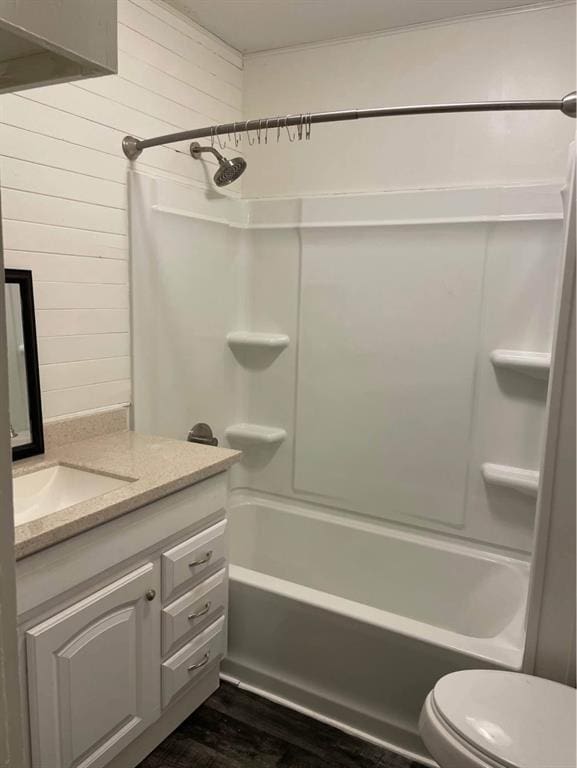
187, 562
191, 661
195, 608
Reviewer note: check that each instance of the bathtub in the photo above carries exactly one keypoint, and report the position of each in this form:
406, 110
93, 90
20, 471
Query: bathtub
354, 623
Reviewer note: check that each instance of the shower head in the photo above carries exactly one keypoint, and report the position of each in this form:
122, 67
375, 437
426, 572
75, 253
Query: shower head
228, 170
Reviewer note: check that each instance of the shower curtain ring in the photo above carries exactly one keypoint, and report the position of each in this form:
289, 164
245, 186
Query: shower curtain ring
247, 131
308, 127
300, 128
292, 137
278, 129
266, 130
221, 144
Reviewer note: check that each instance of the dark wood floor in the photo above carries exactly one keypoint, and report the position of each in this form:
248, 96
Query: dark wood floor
236, 729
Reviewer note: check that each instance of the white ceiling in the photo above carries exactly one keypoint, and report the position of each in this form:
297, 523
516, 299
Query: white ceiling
256, 25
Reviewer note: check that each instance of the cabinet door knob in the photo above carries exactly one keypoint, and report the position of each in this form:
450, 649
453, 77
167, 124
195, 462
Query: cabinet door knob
150, 594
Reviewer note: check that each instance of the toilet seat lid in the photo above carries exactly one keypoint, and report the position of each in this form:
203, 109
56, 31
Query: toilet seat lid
518, 720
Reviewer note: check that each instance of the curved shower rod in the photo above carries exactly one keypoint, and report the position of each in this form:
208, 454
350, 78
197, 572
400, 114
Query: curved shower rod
567, 105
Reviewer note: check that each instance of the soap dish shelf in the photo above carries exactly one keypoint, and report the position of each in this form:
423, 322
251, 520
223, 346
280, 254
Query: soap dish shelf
534, 364
255, 434
525, 481
253, 339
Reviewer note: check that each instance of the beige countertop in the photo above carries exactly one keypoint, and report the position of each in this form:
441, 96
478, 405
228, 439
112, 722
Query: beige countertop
156, 465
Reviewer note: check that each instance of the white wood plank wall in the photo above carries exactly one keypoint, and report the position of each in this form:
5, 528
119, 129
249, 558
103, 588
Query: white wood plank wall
64, 200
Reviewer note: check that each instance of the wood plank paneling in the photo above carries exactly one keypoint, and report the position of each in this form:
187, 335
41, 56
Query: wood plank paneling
55, 182
69, 349
60, 268
183, 24
43, 209
64, 194
45, 238
85, 372
60, 322
61, 402
81, 295
202, 58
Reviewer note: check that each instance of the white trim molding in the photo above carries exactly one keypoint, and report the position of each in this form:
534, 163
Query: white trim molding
416, 207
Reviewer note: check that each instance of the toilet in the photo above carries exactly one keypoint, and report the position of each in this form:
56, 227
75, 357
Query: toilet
496, 719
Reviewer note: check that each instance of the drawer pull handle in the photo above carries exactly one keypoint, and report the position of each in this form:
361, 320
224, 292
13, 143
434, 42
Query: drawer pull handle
203, 611
200, 664
202, 561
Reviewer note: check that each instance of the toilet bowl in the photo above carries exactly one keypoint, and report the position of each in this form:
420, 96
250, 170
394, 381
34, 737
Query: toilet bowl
495, 719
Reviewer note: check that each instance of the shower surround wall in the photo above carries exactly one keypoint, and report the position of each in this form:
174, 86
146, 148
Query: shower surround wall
393, 304
63, 176
388, 396
388, 382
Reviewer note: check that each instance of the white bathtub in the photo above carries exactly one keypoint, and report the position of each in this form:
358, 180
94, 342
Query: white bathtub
355, 624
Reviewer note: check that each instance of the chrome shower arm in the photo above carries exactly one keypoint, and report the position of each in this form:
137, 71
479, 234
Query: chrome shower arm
196, 149
568, 106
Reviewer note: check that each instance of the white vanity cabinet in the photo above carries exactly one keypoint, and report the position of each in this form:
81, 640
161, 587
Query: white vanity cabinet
93, 673
122, 630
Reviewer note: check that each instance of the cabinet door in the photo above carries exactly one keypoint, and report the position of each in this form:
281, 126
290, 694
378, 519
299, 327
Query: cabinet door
94, 674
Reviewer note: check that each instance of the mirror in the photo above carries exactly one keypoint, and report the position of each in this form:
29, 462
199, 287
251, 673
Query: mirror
26, 435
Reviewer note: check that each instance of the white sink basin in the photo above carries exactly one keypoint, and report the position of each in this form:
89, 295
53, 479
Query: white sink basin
50, 490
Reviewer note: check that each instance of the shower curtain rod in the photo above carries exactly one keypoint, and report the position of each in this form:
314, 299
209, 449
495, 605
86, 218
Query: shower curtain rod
133, 147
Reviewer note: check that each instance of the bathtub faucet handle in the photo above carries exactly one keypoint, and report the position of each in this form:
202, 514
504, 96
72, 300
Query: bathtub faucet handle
202, 433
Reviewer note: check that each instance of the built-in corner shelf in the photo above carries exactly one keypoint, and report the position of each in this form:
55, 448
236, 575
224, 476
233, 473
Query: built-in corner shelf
263, 340
524, 481
535, 364
255, 434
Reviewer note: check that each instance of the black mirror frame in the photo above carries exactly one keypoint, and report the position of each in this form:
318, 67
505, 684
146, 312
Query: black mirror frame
23, 278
